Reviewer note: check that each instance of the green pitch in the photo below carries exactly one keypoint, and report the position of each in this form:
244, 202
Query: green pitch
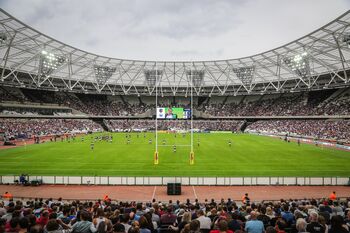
249, 155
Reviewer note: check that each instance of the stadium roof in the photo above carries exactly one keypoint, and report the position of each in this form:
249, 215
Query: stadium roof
316, 61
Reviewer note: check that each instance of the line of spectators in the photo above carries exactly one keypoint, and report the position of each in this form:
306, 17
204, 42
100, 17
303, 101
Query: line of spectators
26, 128
107, 108
224, 216
202, 125
319, 129
291, 104
282, 106
35, 111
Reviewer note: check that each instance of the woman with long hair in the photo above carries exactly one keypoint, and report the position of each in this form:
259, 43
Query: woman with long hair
338, 225
102, 223
144, 226
186, 219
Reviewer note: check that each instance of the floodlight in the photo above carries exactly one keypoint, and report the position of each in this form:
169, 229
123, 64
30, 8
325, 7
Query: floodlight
299, 64
3, 37
245, 74
50, 62
103, 73
151, 77
346, 39
196, 77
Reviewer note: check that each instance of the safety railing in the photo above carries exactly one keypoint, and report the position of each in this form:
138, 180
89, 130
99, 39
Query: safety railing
224, 181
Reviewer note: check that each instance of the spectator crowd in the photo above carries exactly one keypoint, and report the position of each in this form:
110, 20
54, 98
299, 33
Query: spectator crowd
176, 125
291, 104
223, 216
319, 129
282, 106
26, 128
325, 102
338, 130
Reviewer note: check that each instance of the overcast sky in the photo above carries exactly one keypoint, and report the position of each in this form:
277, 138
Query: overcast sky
176, 29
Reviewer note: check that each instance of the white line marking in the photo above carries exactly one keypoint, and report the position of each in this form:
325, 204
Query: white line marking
172, 145
154, 192
194, 191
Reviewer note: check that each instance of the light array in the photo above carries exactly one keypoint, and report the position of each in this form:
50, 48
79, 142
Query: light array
50, 62
298, 62
245, 74
196, 76
346, 39
3, 37
103, 73
151, 76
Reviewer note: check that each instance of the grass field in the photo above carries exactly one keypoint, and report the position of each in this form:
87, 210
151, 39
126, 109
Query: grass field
249, 155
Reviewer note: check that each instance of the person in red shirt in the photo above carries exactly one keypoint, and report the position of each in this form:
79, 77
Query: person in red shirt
246, 199
332, 196
7, 196
168, 218
105, 197
44, 218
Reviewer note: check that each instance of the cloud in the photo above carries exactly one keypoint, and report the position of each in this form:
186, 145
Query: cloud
176, 30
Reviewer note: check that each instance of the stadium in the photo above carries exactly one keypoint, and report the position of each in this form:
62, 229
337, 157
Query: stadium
123, 136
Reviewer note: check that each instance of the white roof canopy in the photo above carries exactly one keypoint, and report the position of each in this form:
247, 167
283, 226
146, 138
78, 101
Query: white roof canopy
34, 60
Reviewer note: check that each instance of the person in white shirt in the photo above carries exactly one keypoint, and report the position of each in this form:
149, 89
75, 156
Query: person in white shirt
205, 222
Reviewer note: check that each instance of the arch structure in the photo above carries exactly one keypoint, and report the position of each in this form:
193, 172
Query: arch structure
319, 60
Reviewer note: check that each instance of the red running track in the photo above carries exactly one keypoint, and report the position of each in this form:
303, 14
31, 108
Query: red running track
147, 193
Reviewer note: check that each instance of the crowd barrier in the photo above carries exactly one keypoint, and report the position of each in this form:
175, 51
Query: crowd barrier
226, 181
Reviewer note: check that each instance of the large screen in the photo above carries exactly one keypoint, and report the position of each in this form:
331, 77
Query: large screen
173, 113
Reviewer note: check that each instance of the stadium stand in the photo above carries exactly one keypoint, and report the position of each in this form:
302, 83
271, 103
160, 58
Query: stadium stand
17, 102
142, 125
289, 216
319, 129
291, 104
26, 128
315, 103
